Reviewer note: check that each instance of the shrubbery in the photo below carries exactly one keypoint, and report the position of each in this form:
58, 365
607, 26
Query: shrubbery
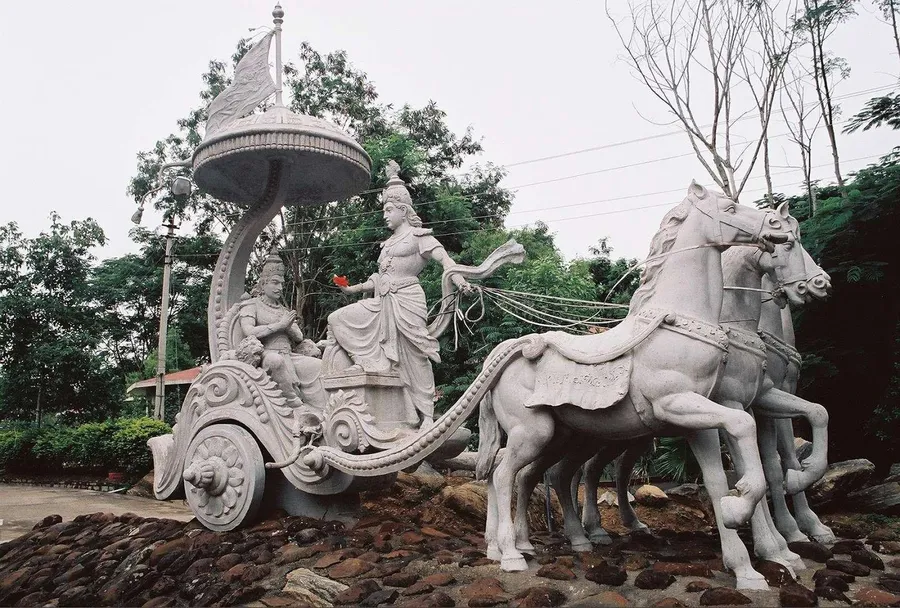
94, 447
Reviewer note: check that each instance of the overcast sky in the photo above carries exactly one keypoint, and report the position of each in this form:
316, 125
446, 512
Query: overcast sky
89, 84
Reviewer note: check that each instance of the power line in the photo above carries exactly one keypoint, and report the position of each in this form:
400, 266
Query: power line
602, 213
675, 132
586, 150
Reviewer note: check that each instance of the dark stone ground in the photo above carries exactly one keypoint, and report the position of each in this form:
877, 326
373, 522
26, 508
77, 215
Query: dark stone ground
421, 545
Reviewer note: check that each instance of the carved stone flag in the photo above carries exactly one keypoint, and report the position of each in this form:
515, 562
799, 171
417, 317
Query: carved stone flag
252, 84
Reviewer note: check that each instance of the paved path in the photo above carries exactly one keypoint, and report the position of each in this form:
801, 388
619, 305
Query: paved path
23, 506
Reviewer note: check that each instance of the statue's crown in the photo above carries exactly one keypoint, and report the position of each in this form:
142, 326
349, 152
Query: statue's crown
395, 191
273, 267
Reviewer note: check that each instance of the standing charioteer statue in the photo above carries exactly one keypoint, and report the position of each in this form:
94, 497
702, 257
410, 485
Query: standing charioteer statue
267, 390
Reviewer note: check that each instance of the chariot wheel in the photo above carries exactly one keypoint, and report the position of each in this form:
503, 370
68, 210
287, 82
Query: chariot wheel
224, 476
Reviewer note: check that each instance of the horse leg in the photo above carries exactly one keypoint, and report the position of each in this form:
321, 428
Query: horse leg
590, 511
767, 542
527, 481
561, 476
624, 469
695, 412
526, 440
779, 404
573, 489
705, 446
771, 460
805, 518
491, 522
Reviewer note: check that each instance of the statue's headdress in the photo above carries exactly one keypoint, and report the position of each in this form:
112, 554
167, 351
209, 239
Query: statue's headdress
273, 267
397, 194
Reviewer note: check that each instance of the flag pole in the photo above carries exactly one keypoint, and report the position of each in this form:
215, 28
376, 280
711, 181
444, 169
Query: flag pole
278, 14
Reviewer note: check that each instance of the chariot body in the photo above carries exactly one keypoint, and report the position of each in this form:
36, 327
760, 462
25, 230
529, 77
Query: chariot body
253, 424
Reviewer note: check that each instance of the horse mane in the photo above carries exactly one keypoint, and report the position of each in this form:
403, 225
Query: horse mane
662, 242
734, 258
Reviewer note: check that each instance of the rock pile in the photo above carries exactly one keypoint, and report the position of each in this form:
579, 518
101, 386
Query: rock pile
102, 559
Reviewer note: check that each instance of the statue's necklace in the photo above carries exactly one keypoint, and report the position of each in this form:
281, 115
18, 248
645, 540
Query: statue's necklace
267, 304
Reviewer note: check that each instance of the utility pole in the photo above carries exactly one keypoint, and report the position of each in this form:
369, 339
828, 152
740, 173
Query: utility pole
159, 411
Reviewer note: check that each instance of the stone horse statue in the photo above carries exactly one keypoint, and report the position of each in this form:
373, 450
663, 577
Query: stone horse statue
651, 375
745, 382
783, 370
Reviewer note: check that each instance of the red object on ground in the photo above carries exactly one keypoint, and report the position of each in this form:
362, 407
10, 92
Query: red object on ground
340, 281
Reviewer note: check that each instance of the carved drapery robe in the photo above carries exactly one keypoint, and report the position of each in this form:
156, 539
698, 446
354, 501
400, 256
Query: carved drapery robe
388, 332
297, 375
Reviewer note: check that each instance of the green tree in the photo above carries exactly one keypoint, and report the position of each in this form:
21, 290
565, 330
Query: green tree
50, 332
849, 342
129, 291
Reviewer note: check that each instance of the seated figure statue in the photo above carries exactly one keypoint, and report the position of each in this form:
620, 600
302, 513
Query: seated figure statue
388, 332
263, 317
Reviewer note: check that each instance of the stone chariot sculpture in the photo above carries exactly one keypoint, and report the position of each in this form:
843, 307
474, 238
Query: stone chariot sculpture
248, 421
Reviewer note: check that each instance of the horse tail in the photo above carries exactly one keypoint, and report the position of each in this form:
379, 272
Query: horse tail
488, 438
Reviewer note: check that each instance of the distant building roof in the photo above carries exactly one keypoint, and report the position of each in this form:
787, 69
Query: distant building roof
185, 376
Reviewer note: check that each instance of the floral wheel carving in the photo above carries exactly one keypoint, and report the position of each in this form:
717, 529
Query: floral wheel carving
224, 476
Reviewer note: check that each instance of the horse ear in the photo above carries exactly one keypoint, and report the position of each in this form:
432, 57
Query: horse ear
784, 210
697, 190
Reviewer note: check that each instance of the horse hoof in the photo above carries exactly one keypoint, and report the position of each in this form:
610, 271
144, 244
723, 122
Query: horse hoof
601, 538
494, 554
513, 564
526, 548
794, 536
826, 538
639, 526
751, 580
584, 546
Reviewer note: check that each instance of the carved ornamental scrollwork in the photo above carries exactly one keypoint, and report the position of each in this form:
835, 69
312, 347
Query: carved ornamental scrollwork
350, 426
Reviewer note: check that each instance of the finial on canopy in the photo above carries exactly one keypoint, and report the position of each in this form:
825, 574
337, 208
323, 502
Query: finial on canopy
278, 19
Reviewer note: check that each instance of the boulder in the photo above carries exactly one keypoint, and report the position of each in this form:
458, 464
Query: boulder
557, 572
869, 596
653, 579
883, 498
469, 501
312, 589
650, 496
776, 574
802, 448
723, 596
143, 488
611, 499
895, 469
463, 462
534, 597
795, 594
811, 550
839, 480
604, 573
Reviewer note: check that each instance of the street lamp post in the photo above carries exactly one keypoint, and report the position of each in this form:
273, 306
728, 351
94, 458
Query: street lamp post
181, 186
159, 408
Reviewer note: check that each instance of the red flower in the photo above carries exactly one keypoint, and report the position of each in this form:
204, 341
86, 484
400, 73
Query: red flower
340, 281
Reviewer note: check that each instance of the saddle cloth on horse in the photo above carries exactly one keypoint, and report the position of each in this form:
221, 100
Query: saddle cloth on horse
590, 372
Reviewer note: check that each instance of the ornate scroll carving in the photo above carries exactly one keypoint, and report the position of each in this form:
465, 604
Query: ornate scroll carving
351, 427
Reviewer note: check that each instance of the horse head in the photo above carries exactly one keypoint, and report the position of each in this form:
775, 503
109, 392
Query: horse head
798, 279
730, 223
817, 280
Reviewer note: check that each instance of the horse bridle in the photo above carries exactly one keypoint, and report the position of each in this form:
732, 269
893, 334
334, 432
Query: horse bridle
738, 222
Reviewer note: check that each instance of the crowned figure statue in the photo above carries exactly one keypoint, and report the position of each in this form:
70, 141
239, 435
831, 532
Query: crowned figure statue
388, 332
286, 355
